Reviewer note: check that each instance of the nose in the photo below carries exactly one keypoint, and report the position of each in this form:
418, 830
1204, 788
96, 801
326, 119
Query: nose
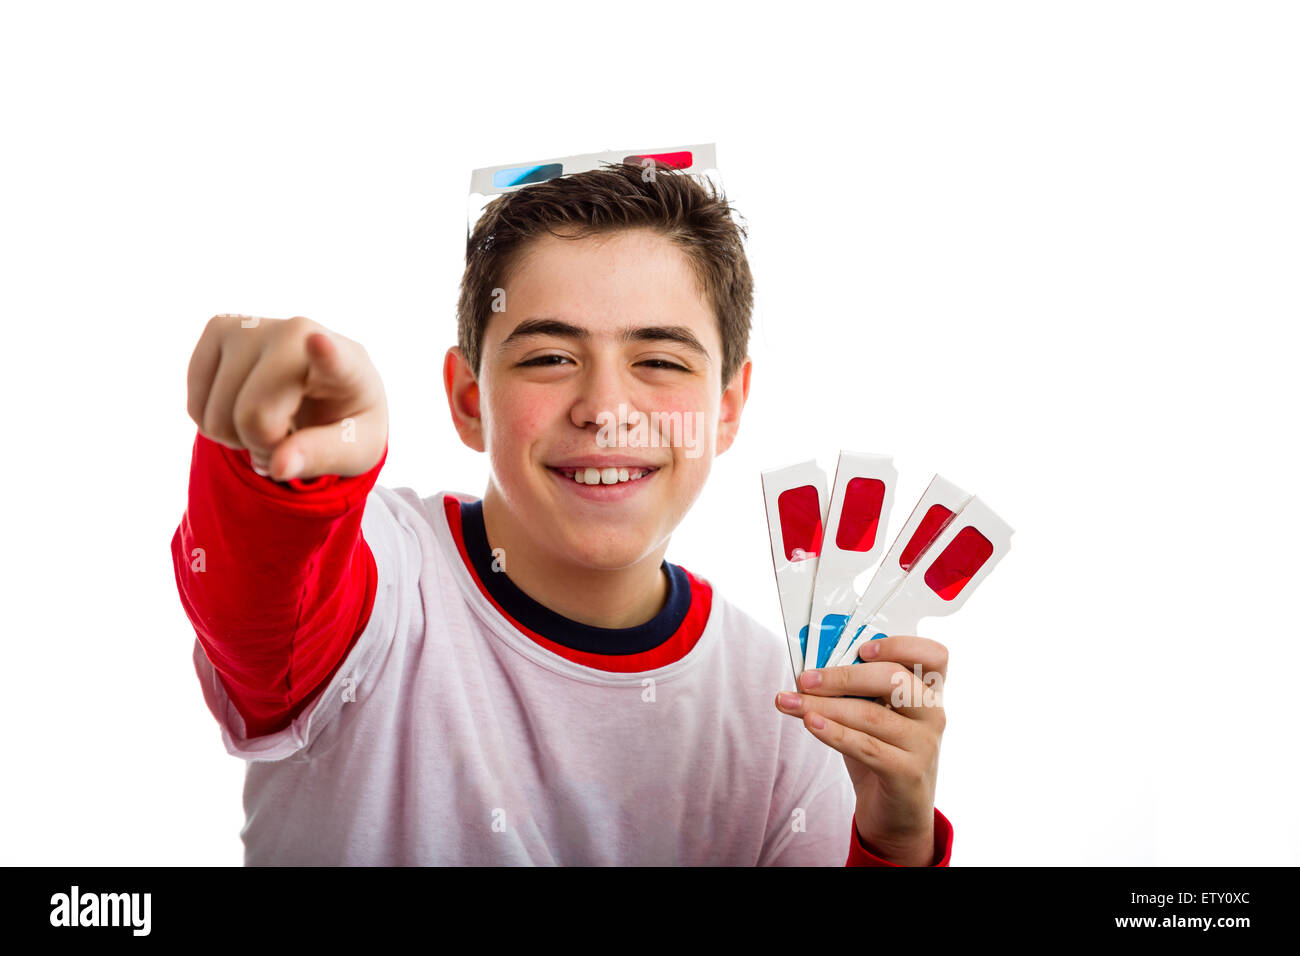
606, 400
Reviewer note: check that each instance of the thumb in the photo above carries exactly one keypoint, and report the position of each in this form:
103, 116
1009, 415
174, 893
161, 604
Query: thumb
310, 452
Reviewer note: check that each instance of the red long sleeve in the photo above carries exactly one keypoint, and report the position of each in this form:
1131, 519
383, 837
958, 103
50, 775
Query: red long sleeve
859, 855
275, 577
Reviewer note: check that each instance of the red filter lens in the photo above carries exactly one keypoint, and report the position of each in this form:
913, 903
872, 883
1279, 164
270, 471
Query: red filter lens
935, 520
801, 522
678, 160
964, 556
860, 517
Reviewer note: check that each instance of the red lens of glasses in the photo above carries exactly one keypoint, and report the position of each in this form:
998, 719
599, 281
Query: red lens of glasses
963, 557
860, 516
935, 520
674, 160
801, 522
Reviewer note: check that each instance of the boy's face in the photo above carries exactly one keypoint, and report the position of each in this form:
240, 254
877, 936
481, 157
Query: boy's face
547, 398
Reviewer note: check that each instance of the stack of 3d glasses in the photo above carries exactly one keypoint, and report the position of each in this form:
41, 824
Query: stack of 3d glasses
821, 544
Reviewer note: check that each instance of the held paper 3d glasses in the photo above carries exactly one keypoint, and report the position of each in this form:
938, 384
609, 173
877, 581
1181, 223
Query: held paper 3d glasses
947, 547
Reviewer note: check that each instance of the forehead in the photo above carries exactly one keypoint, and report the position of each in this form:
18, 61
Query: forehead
604, 283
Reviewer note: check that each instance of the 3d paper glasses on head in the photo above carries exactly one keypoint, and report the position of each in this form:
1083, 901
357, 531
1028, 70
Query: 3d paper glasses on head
491, 181
948, 545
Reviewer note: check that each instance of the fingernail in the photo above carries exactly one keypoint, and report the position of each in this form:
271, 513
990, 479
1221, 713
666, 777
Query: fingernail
811, 678
788, 701
869, 649
817, 721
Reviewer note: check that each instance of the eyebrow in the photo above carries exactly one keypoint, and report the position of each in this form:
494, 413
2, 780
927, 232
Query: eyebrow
649, 333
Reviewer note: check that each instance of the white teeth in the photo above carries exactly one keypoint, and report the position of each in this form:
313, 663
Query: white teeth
607, 476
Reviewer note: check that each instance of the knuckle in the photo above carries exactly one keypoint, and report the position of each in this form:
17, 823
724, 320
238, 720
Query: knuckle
224, 327
299, 325
835, 679
871, 710
256, 425
912, 773
218, 428
211, 421
194, 408
869, 747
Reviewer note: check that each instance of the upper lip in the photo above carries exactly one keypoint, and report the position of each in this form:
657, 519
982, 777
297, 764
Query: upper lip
602, 461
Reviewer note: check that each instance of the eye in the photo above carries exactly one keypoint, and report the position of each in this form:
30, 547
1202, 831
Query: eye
544, 360
661, 363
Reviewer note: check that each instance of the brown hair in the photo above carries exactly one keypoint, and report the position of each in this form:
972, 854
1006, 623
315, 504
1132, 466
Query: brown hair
693, 214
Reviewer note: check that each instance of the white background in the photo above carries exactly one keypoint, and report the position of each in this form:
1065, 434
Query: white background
1046, 249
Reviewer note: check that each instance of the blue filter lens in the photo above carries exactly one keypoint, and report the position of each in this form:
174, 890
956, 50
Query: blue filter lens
522, 175
832, 624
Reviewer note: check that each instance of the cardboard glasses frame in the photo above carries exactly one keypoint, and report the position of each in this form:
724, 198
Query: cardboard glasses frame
491, 181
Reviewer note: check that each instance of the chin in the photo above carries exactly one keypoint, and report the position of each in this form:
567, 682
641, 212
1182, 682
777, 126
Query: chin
609, 554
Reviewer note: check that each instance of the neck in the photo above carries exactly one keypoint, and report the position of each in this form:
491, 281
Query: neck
618, 598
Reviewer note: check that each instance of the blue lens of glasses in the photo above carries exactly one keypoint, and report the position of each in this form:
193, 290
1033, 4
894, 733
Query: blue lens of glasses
522, 175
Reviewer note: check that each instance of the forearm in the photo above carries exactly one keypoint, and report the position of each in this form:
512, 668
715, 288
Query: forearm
275, 577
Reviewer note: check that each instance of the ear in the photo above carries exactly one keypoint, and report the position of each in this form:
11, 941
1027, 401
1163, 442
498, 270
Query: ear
733, 403
463, 398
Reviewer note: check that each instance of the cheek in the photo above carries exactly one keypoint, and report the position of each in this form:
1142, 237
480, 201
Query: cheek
682, 400
697, 410
518, 420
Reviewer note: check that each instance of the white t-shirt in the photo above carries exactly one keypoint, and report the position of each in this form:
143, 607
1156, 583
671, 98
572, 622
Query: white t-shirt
449, 737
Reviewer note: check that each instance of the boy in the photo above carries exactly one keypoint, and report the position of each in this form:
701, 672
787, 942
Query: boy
524, 679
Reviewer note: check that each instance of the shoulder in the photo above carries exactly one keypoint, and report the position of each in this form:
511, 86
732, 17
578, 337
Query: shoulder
403, 511
410, 536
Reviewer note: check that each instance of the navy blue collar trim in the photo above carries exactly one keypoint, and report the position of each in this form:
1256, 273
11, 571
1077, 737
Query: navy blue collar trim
555, 627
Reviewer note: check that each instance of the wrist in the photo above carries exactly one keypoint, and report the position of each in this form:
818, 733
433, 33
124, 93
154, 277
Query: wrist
912, 847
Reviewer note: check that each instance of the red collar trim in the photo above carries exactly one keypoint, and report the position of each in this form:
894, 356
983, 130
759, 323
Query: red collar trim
673, 649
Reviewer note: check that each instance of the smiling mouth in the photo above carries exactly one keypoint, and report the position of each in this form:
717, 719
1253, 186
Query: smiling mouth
604, 476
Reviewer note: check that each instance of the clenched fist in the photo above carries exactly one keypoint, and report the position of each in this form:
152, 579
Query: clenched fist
303, 400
